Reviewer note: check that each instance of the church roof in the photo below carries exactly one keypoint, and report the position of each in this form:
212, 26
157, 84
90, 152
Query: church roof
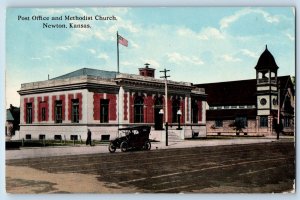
266, 61
88, 72
242, 92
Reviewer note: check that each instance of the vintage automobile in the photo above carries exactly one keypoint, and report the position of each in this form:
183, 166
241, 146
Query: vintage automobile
131, 138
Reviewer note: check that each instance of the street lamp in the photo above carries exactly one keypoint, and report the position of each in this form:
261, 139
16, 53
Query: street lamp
161, 112
178, 115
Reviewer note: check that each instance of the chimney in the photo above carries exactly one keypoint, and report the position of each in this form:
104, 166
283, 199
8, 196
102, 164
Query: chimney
147, 71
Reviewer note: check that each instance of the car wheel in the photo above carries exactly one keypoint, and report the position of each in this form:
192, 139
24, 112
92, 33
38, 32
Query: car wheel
124, 146
111, 147
147, 145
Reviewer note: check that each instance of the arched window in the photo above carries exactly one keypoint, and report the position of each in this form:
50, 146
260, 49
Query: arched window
175, 108
139, 110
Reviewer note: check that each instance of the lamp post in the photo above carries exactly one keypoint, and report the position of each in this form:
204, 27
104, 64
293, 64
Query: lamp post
178, 115
161, 112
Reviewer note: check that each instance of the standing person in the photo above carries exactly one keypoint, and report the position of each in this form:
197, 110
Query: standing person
89, 138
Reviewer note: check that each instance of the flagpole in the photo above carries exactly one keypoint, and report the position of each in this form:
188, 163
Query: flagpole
118, 51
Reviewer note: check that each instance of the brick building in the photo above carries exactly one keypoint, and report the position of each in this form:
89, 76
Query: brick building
251, 103
103, 101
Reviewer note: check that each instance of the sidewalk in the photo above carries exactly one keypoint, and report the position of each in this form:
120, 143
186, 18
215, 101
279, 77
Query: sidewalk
35, 152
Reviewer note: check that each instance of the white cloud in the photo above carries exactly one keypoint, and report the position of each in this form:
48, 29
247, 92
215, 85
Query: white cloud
64, 47
205, 34
210, 32
249, 53
35, 58
134, 45
126, 63
103, 56
226, 21
153, 63
229, 58
92, 51
179, 58
291, 37
99, 35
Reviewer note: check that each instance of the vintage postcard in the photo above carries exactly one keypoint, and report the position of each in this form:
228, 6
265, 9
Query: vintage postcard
150, 100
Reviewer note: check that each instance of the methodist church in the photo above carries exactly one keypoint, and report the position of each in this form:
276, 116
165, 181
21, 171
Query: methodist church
256, 104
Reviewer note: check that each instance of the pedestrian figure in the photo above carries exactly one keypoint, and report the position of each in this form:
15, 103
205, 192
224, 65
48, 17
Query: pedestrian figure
89, 138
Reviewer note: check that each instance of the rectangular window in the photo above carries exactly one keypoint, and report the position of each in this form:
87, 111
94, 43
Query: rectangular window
28, 136
219, 123
29, 113
74, 137
42, 137
43, 114
58, 111
226, 107
263, 121
286, 122
104, 110
57, 137
75, 111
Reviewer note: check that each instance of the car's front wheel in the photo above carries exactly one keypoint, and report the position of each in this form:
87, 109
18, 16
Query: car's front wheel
111, 147
124, 146
147, 145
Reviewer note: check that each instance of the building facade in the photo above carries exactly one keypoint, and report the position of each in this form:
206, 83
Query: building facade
252, 107
63, 108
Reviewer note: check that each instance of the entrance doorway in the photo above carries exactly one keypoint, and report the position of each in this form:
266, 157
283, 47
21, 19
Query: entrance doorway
158, 118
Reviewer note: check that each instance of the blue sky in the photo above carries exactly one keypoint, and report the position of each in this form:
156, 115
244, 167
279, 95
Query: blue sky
199, 45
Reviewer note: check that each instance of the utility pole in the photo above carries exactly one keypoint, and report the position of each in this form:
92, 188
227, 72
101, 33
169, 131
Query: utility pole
278, 114
166, 101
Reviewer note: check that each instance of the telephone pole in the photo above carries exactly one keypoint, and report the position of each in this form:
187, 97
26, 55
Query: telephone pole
166, 100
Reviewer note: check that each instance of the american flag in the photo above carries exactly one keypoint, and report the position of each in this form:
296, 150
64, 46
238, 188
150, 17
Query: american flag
122, 41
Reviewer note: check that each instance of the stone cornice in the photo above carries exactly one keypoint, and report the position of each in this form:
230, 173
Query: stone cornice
80, 82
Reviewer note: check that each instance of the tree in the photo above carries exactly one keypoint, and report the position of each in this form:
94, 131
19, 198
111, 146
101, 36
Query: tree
238, 126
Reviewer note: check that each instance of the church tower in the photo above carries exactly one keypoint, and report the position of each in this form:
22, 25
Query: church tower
266, 86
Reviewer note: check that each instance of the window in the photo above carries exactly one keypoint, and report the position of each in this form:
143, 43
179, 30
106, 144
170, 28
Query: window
138, 110
42, 137
226, 107
43, 114
219, 123
29, 113
74, 137
219, 107
286, 122
104, 105
75, 111
242, 121
28, 136
58, 111
195, 111
57, 137
263, 122
175, 108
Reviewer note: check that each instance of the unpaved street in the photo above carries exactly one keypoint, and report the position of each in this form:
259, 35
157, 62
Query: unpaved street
247, 168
